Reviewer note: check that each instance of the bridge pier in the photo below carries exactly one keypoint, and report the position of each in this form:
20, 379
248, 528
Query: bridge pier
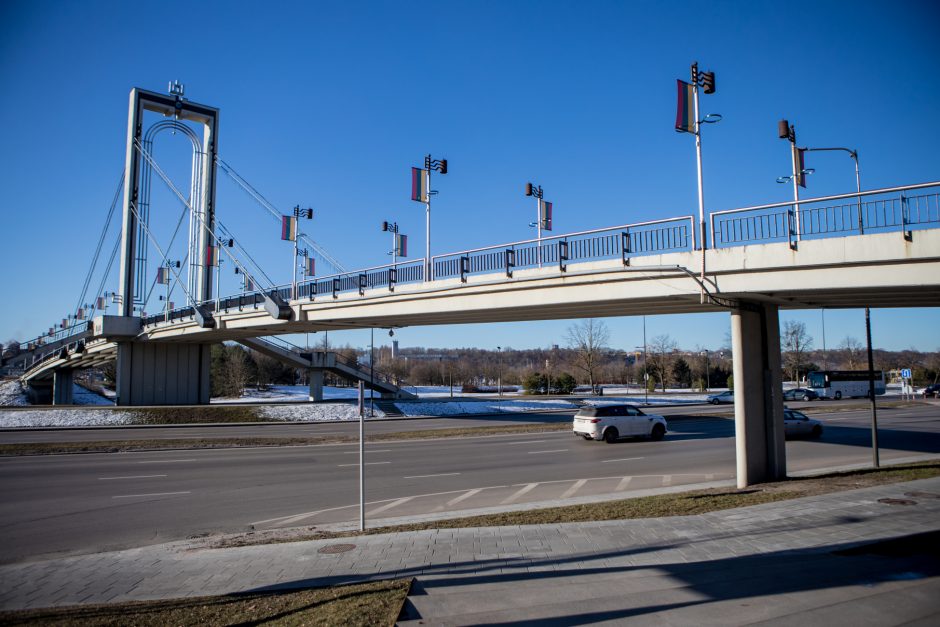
758, 399
62, 380
315, 377
162, 373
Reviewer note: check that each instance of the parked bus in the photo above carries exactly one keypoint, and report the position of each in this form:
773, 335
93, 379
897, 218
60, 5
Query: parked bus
844, 383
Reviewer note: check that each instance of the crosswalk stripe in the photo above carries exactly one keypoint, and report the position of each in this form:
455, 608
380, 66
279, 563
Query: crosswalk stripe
570, 491
518, 493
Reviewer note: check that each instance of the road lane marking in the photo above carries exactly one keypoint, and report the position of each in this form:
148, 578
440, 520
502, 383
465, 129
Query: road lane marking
558, 450
442, 474
518, 493
367, 464
667, 480
384, 450
524, 442
623, 484
466, 495
130, 477
134, 496
570, 491
622, 459
387, 506
166, 461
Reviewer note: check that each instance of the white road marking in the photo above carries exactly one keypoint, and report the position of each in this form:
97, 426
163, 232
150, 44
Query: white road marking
166, 461
622, 459
667, 480
623, 484
442, 474
134, 496
384, 450
570, 491
367, 464
559, 450
131, 477
524, 442
518, 493
387, 506
466, 495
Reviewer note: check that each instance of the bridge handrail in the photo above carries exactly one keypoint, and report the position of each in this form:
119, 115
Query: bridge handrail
823, 220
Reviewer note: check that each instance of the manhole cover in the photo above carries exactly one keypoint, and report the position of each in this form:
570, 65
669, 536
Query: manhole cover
922, 495
336, 548
897, 501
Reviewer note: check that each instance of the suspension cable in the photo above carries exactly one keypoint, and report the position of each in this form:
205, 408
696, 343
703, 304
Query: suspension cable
261, 200
101, 238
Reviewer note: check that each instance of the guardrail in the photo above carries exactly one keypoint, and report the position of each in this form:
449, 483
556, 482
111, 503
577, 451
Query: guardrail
875, 211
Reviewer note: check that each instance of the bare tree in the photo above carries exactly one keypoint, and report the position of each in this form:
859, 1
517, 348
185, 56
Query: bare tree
660, 357
852, 352
795, 342
588, 338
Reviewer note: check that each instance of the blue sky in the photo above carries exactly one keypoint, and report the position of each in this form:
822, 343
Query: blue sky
329, 104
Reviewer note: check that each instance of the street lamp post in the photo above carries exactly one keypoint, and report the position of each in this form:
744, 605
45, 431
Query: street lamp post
499, 370
705, 352
298, 213
421, 192
542, 219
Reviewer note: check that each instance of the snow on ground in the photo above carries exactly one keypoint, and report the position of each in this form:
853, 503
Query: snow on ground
316, 413
12, 393
83, 396
419, 408
286, 394
65, 418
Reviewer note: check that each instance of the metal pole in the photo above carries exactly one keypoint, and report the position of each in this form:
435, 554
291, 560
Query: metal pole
362, 461
796, 183
871, 392
858, 187
427, 227
395, 245
646, 372
294, 280
701, 194
499, 370
372, 373
822, 313
538, 226
166, 315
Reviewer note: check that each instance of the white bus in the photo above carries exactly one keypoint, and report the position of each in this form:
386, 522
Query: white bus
844, 383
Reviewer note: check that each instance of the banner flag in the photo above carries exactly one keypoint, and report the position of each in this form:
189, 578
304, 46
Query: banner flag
401, 245
289, 228
65, 323
163, 275
80, 314
685, 108
249, 284
101, 303
419, 184
545, 214
310, 266
800, 165
212, 256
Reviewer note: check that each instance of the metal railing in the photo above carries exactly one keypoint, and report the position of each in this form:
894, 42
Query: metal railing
61, 334
623, 242
875, 211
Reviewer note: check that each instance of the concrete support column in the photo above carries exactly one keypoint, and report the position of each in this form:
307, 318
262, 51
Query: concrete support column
316, 384
62, 381
758, 396
162, 373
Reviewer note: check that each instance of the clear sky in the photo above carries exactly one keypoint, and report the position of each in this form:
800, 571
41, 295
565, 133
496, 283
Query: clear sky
329, 104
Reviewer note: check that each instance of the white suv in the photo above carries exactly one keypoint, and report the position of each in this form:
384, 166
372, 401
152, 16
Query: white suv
610, 422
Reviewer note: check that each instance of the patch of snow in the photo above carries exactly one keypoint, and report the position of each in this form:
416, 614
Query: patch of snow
84, 396
65, 418
12, 394
410, 408
317, 412
288, 394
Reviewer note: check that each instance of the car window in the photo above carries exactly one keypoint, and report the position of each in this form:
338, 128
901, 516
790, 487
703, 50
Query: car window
632, 411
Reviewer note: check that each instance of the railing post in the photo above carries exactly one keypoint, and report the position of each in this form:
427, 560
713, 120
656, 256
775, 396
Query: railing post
625, 247
790, 233
510, 261
363, 282
392, 278
562, 254
908, 235
335, 287
313, 289
464, 268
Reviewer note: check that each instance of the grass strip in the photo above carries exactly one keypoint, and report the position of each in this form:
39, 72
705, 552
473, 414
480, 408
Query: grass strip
366, 604
119, 446
662, 505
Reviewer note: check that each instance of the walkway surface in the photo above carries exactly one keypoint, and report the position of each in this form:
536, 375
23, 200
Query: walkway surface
863, 557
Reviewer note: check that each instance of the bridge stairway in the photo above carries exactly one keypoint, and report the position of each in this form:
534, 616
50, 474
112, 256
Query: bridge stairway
389, 408
328, 361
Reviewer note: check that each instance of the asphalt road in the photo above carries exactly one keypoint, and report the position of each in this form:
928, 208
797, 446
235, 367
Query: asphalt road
69, 504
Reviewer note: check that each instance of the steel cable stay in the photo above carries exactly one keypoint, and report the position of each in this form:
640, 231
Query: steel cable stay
215, 238
183, 261
227, 232
101, 239
276, 214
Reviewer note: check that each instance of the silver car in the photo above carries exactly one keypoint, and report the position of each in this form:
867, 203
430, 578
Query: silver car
798, 424
724, 397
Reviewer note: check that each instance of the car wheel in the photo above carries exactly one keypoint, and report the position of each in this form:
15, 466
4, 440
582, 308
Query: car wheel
806, 397
658, 432
610, 436
838, 396
714, 401
817, 431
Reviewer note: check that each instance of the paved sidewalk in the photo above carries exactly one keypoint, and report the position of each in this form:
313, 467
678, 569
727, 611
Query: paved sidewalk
778, 562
